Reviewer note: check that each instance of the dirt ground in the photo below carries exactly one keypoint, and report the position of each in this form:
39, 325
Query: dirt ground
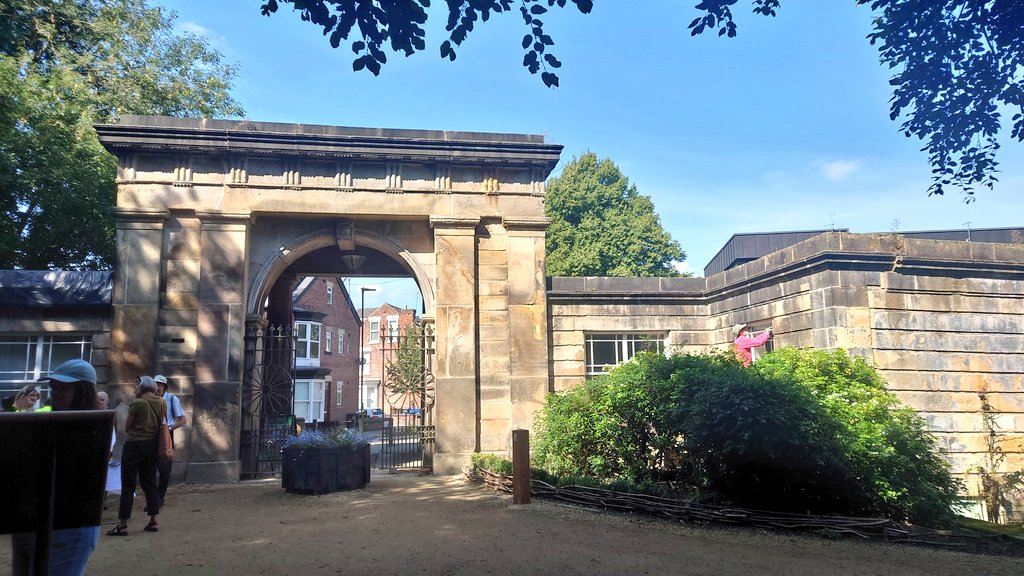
407, 524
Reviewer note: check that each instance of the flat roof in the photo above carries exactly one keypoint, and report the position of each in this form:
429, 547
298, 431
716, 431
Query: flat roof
218, 136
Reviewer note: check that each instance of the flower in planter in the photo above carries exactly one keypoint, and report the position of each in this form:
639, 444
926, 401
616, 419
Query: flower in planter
323, 461
335, 438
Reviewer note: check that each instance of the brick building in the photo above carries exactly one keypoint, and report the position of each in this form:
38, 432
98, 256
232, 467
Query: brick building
381, 329
327, 359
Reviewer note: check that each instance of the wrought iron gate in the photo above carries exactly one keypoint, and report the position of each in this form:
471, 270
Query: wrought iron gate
266, 403
407, 431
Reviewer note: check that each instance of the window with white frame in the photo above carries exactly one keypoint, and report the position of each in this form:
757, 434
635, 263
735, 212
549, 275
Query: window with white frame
330, 294
604, 351
307, 344
365, 359
327, 340
339, 388
392, 327
374, 330
309, 400
341, 341
26, 358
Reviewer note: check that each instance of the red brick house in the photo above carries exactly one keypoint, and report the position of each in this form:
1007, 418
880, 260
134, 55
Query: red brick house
379, 323
327, 356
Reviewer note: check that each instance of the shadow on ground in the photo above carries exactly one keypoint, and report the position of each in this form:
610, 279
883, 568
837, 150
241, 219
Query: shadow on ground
407, 524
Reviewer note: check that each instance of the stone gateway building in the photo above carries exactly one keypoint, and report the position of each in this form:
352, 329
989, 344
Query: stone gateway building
216, 219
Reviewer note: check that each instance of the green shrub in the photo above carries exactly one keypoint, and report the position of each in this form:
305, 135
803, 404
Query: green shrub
894, 460
801, 430
566, 442
759, 443
623, 424
492, 463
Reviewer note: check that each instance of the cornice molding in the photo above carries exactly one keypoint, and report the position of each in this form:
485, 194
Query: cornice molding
230, 137
453, 222
753, 276
140, 218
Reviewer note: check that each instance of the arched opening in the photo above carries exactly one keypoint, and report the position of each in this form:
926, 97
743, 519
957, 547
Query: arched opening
353, 315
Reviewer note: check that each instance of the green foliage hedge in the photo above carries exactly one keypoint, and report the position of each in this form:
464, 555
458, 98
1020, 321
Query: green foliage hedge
801, 430
894, 460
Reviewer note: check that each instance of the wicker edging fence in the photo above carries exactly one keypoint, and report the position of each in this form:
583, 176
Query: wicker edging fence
865, 528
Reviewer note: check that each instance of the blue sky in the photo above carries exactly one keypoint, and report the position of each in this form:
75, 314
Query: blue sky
785, 127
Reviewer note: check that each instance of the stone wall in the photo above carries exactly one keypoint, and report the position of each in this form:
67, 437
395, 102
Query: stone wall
675, 307
941, 320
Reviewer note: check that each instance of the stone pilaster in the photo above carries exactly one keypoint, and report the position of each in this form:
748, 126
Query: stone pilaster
495, 339
220, 348
177, 334
456, 345
528, 319
136, 294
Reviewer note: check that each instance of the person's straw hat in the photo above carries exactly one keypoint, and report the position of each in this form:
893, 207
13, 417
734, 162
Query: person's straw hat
736, 330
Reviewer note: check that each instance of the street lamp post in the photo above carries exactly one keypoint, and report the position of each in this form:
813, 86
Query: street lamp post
362, 360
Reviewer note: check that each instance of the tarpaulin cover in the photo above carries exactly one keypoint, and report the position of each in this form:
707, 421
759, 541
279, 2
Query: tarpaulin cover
38, 288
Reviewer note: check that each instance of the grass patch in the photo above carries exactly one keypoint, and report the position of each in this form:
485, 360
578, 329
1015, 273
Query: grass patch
991, 528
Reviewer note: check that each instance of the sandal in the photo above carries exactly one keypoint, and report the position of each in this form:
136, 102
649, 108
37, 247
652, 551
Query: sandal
152, 527
118, 531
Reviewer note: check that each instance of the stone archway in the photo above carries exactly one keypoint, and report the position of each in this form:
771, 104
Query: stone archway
210, 212
290, 251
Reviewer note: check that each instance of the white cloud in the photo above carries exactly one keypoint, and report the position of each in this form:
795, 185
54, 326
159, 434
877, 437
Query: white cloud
194, 29
682, 267
839, 169
216, 41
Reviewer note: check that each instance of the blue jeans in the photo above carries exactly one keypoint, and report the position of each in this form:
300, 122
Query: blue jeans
70, 549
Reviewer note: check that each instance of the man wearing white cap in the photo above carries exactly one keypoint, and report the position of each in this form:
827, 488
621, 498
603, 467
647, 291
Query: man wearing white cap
175, 420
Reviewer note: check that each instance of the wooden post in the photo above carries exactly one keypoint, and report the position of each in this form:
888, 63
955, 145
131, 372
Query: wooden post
520, 467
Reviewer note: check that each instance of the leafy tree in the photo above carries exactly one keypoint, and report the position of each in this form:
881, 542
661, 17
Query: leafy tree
601, 226
64, 65
56, 180
958, 64
404, 367
401, 24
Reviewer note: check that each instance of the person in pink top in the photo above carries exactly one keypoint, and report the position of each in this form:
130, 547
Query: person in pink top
745, 342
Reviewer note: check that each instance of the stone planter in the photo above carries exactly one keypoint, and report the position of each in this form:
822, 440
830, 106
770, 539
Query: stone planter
324, 470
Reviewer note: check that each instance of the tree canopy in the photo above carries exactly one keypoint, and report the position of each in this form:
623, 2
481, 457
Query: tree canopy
64, 65
601, 225
958, 65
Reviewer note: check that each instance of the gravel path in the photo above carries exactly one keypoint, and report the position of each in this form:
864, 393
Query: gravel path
405, 524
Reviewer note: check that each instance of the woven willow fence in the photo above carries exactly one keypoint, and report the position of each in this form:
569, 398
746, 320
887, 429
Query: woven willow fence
864, 528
